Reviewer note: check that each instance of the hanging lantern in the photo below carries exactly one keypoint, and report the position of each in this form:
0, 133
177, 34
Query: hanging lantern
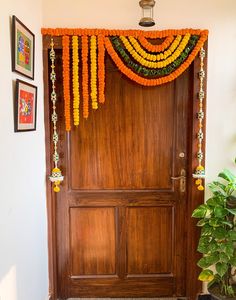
147, 17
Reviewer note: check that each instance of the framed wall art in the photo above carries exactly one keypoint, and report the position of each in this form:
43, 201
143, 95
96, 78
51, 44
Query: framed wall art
25, 106
23, 45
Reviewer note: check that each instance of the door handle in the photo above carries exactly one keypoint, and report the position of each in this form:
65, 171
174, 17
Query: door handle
182, 179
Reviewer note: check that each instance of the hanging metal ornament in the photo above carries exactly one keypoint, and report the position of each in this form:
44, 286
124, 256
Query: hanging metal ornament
56, 177
199, 173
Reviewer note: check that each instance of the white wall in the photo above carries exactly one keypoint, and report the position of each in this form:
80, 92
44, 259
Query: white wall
216, 15
23, 241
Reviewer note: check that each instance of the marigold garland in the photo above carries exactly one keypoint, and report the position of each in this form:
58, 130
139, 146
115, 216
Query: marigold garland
93, 57
155, 65
114, 32
75, 79
152, 82
153, 57
66, 80
151, 73
160, 64
84, 41
156, 48
101, 69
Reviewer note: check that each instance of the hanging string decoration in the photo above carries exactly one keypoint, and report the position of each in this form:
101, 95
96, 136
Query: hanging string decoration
56, 177
75, 79
93, 74
101, 69
199, 173
66, 79
84, 41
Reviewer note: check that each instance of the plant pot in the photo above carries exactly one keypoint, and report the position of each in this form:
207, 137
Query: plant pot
231, 202
216, 295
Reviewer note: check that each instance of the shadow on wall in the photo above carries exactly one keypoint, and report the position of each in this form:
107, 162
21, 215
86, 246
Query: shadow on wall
8, 286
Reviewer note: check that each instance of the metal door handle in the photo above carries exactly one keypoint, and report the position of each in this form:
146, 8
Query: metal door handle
179, 177
182, 179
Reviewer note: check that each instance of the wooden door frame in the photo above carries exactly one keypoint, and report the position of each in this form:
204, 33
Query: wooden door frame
195, 197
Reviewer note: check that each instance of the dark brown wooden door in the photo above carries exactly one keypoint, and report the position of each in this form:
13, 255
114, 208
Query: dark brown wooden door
120, 218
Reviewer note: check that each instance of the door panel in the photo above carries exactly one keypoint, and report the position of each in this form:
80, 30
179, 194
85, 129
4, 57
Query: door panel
120, 217
92, 234
149, 240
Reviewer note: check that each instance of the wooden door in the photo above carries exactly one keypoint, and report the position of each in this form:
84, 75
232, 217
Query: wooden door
120, 218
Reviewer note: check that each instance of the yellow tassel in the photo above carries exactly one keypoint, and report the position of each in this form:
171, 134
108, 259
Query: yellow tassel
56, 187
198, 181
200, 188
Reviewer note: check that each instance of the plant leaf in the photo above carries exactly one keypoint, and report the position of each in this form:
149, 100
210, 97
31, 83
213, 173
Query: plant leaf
227, 175
200, 211
228, 224
232, 211
206, 230
221, 268
229, 249
217, 188
219, 233
215, 201
206, 275
201, 222
220, 212
223, 257
232, 235
203, 248
208, 261
233, 261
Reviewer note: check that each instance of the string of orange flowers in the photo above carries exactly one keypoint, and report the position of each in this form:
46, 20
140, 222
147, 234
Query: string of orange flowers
84, 41
93, 75
152, 57
156, 48
114, 32
66, 80
101, 69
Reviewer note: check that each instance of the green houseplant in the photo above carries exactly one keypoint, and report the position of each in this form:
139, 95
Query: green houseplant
218, 235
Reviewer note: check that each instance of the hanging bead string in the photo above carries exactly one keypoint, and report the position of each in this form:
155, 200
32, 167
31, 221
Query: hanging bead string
199, 173
56, 177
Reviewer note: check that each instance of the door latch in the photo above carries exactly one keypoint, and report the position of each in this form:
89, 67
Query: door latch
182, 179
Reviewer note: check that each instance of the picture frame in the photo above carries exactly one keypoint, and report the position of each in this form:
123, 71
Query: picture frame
25, 110
23, 49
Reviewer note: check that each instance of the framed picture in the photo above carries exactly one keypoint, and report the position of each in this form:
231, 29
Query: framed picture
25, 106
23, 45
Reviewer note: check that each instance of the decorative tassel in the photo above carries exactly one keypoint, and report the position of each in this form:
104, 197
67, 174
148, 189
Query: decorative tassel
56, 177
199, 173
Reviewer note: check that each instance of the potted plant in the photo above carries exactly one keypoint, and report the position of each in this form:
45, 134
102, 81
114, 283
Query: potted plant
218, 237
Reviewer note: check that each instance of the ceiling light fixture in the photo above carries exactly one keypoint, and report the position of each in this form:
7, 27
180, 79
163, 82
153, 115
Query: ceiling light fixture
147, 13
